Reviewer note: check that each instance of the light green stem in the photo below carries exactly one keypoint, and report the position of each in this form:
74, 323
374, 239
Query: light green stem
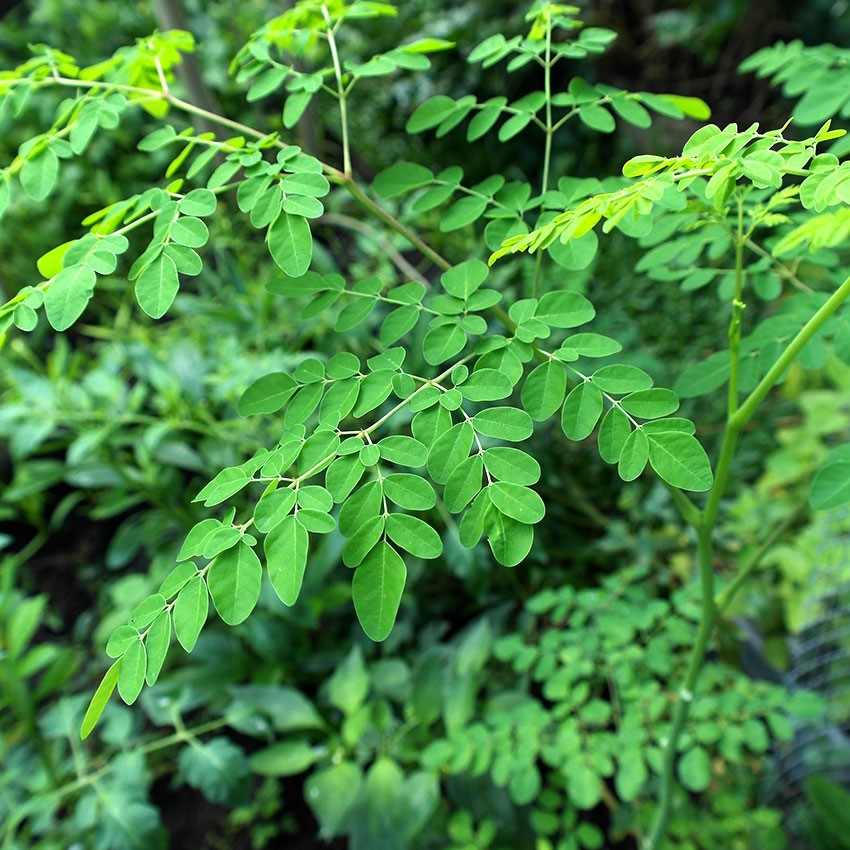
705, 533
341, 95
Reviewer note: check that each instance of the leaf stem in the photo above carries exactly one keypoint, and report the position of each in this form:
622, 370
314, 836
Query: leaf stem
705, 532
341, 94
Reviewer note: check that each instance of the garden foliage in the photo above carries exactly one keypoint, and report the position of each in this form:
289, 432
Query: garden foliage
420, 410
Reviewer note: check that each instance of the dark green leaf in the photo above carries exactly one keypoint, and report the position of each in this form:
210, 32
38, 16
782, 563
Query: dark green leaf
67, 296
634, 455
234, 581
509, 464
621, 379
158, 640
363, 541
463, 484
613, 433
401, 178
564, 309
100, 699
518, 502
544, 389
291, 243
131, 674
449, 450
267, 394
504, 423
442, 343
272, 508
223, 486
831, 487
410, 492
510, 540
377, 588
680, 460
414, 535
286, 548
651, 404
157, 286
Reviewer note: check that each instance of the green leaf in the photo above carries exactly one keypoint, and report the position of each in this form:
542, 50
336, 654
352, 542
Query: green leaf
582, 410
401, 178
339, 401
272, 508
131, 675
631, 775
100, 699
198, 202
414, 535
348, 687
510, 540
286, 547
462, 212
120, 640
67, 296
331, 794
471, 525
223, 486
410, 492
691, 107
403, 450
303, 403
504, 423
486, 385
442, 343
513, 465
694, 770
285, 758
449, 450
267, 394
294, 107
190, 612
375, 389
634, 455
218, 768
157, 286
291, 243
575, 254
680, 460
39, 173
360, 507
189, 231
430, 113
651, 404
703, 377
597, 118
621, 379
584, 786
464, 484
147, 611
518, 502
483, 122
399, 322
342, 476
464, 278
234, 581
544, 389
377, 588
612, 435
158, 640
563, 309
831, 487
363, 541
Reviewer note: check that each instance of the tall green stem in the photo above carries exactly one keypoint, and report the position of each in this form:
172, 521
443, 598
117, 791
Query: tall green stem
737, 419
343, 111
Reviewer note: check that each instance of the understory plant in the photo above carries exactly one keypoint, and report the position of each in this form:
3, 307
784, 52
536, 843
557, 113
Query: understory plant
441, 360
